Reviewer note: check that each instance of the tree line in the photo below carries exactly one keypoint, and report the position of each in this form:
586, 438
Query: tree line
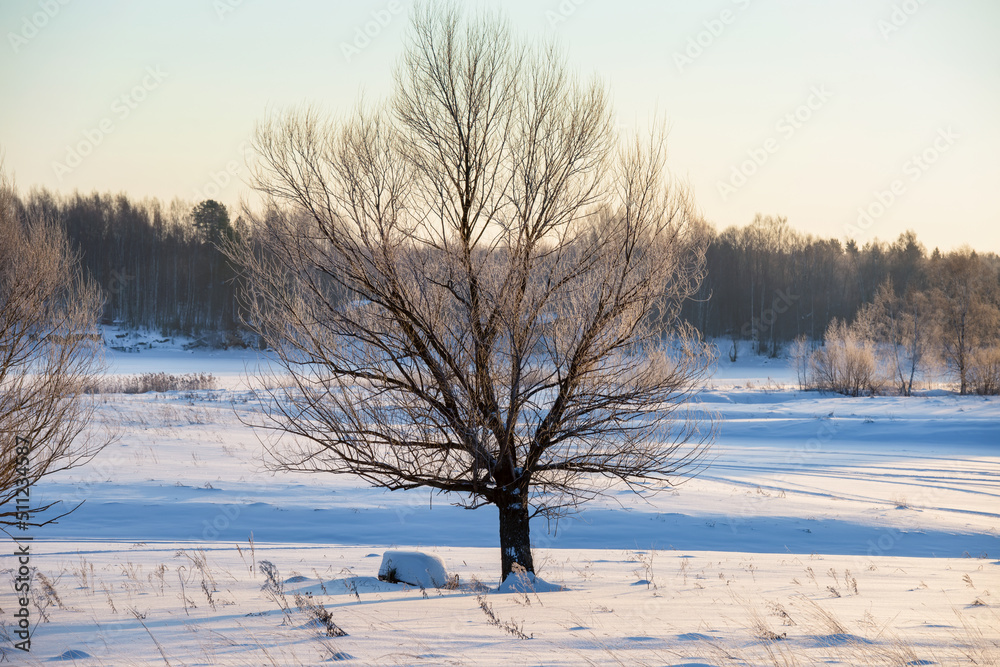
768, 283
886, 313
161, 267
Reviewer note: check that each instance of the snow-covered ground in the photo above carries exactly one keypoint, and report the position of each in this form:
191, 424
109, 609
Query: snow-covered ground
860, 531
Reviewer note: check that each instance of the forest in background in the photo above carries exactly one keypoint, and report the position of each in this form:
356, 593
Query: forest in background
159, 265
161, 268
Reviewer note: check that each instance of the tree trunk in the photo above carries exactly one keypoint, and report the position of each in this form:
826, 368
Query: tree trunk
515, 543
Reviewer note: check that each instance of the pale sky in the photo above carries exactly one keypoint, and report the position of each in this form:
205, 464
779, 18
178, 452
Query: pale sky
810, 109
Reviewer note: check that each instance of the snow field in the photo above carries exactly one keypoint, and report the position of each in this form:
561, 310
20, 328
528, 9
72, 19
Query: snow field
860, 531
620, 607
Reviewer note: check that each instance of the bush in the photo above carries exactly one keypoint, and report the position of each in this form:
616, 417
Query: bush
847, 363
984, 371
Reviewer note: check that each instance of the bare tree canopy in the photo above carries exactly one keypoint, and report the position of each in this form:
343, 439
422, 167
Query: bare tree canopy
49, 351
475, 286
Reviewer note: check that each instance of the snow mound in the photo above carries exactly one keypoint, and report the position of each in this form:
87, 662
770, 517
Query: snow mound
337, 656
413, 568
73, 654
527, 582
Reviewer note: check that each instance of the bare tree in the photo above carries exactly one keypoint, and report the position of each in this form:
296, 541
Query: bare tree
475, 288
799, 355
905, 328
49, 351
768, 241
967, 304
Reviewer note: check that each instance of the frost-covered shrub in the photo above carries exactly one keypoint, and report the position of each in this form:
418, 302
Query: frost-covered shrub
984, 371
847, 363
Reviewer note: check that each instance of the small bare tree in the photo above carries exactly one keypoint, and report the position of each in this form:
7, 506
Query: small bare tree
475, 288
49, 351
798, 355
968, 306
905, 330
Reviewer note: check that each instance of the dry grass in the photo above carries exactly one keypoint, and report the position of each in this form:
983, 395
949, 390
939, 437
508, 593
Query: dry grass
781, 630
152, 382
